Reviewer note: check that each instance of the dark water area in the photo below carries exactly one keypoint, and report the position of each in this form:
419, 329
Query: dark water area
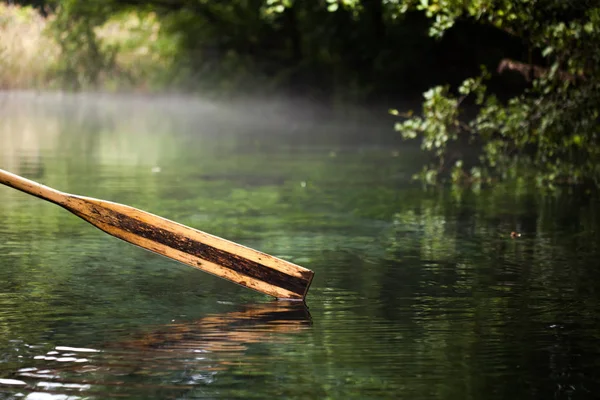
418, 293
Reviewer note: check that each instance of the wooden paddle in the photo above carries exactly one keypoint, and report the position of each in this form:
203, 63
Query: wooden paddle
212, 254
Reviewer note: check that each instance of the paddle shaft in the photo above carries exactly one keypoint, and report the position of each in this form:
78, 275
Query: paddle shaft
212, 254
31, 187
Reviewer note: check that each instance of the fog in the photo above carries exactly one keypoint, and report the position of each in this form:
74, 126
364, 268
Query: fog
31, 122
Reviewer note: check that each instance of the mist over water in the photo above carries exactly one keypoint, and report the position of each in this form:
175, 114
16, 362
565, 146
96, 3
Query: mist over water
418, 293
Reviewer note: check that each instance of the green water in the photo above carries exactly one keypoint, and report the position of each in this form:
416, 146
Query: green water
418, 294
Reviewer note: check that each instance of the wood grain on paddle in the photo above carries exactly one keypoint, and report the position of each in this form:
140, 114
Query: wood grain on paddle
220, 257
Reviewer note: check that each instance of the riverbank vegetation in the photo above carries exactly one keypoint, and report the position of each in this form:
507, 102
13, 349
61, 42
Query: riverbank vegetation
123, 53
510, 87
26, 52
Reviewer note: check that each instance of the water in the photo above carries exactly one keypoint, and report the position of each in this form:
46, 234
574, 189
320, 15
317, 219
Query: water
418, 294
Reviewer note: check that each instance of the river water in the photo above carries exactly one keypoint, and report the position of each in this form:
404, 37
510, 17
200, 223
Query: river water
419, 293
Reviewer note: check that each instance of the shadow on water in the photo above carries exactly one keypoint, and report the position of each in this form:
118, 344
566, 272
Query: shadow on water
164, 361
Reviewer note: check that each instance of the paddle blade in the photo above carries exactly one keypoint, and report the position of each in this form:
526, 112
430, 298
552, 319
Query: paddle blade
220, 257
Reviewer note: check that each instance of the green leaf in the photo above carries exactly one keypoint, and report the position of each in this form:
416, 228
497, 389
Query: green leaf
547, 51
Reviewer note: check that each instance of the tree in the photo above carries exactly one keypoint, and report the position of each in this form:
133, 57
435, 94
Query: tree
345, 51
551, 128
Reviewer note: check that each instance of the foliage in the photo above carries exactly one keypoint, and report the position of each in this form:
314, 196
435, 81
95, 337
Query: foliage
258, 46
143, 53
84, 46
81, 60
551, 127
26, 54
536, 117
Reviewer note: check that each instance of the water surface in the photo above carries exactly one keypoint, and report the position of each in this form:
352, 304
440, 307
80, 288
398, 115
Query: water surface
418, 293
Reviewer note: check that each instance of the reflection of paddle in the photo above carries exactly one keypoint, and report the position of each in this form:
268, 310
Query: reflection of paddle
174, 357
228, 332
220, 257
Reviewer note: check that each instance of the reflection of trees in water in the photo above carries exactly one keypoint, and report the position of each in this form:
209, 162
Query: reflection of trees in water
426, 282
21, 139
60, 126
469, 295
464, 272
